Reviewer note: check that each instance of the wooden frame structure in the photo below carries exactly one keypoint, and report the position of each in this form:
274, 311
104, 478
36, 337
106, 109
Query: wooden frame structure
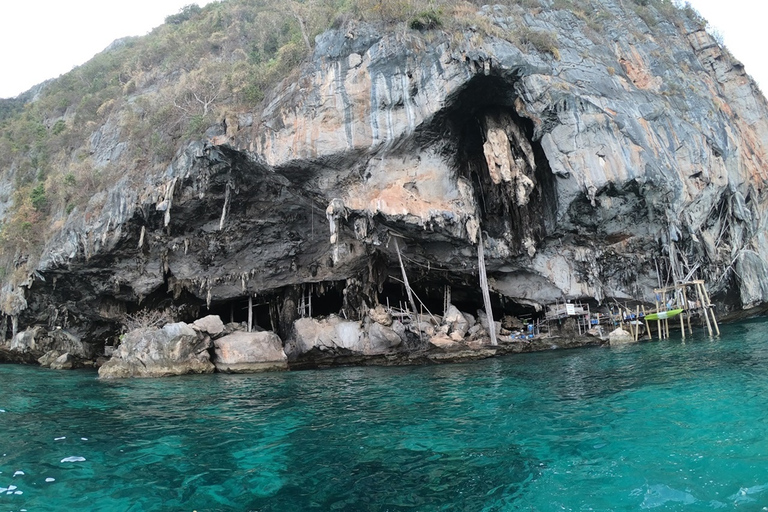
679, 300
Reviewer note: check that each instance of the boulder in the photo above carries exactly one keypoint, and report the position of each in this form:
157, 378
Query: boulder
27, 341
245, 352
457, 321
67, 342
382, 339
444, 342
49, 357
38, 341
176, 349
482, 319
64, 362
210, 324
380, 315
331, 334
620, 337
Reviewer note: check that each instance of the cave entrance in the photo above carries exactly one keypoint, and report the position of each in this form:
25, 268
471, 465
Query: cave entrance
321, 299
498, 152
466, 297
236, 311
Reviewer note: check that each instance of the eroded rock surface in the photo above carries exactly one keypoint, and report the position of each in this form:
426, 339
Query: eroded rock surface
176, 349
244, 352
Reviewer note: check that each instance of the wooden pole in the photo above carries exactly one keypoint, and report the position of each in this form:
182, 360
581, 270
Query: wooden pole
687, 313
647, 325
637, 323
709, 308
658, 310
703, 307
405, 279
486, 292
666, 320
250, 313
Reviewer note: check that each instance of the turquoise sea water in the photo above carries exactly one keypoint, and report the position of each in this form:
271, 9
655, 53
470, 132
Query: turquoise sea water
662, 425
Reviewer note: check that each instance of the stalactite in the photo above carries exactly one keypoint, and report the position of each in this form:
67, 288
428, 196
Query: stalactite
169, 199
225, 208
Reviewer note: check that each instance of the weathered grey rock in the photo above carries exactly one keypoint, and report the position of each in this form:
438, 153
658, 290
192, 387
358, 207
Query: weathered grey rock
176, 349
37, 341
380, 315
49, 357
482, 319
64, 362
457, 321
443, 342
331, 334
382, 339
210, 324
245, 352
620, 337
27, 341
67, 342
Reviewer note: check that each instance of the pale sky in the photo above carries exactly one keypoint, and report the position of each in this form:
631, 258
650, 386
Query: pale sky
42, 39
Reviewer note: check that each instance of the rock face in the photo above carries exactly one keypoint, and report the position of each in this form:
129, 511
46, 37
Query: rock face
586, 169
38, 342
242, 352
176, 349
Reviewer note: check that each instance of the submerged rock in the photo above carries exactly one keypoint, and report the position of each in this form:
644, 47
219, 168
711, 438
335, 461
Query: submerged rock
176, 349
242, 352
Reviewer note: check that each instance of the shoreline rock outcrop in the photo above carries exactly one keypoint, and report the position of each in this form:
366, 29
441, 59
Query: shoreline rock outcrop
175, 349
249, 352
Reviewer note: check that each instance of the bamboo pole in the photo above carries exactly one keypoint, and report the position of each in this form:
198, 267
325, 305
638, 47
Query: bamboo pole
658, 310
687, 313
486, 292
637, 323
250, 313
709, 308
703, 307
405, 278
647, 325
666, 320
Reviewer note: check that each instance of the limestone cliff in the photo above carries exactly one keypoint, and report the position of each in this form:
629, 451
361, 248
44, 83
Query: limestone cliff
588, 167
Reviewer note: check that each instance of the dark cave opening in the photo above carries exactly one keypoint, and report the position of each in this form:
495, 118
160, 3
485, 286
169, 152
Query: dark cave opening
465, 297
478, 106
236, 311
326, 298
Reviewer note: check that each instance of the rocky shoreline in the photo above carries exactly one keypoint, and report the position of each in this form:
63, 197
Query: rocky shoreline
208, 345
